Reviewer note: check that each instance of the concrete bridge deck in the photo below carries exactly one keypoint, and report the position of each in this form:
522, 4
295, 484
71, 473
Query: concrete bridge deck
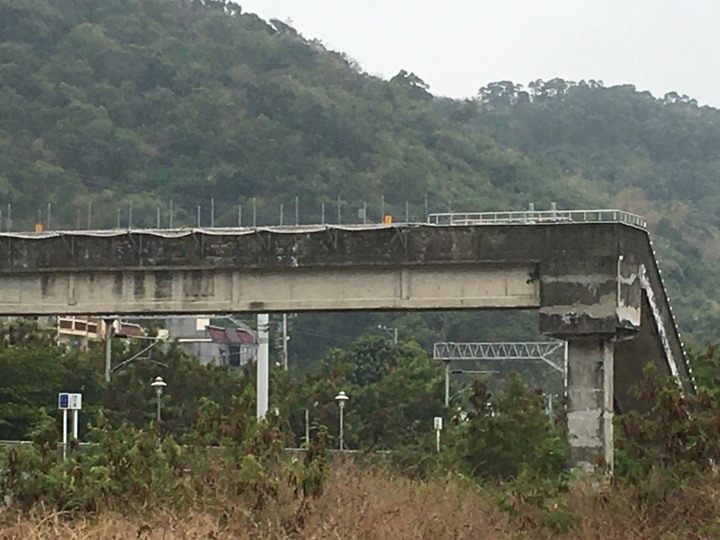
596, 285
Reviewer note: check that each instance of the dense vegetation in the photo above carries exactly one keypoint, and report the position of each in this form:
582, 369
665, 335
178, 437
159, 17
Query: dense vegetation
211, 461
150, 101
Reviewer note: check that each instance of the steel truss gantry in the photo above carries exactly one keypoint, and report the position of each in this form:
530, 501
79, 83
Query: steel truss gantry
521, 350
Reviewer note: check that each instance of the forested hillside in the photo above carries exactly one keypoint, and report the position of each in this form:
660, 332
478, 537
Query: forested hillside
150, 100
119, 104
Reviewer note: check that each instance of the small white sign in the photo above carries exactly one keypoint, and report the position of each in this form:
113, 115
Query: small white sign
438, 423
71, 402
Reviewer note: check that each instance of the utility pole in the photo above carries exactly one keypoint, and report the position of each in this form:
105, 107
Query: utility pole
263, 365
285, 342
447, 383
108, 348
387, 329
307, 427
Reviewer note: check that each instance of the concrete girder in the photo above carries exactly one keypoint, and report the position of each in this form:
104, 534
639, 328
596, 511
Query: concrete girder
313, 289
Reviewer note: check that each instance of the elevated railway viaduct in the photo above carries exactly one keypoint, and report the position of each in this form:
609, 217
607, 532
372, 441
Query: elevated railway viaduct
594, 282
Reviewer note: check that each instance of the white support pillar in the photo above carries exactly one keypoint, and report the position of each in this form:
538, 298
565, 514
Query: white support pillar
75, 423
590, 404
263, 365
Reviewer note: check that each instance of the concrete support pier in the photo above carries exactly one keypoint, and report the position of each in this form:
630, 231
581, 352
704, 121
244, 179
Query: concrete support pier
590, 404
594, 302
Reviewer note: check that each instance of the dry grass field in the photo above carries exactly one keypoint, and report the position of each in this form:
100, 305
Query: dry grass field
361, 504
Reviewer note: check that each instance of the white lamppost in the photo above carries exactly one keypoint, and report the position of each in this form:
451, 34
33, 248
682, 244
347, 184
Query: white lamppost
158, 384
341, 398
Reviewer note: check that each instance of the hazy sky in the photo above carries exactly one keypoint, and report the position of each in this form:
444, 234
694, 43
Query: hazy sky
458, 46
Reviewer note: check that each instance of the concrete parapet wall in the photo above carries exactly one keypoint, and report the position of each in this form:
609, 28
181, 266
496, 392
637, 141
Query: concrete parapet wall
313, 247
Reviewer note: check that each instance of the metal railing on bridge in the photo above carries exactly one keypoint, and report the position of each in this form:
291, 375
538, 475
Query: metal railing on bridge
537, 217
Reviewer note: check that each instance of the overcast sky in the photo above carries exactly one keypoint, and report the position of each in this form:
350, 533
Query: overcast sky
458, 46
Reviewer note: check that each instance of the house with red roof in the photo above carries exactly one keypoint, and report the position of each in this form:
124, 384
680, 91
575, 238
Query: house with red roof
234, 345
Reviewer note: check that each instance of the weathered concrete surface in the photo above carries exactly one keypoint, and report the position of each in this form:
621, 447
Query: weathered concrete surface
301, 289
593, 283
590, 404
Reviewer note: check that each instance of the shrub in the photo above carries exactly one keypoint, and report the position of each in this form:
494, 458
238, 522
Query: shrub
506, 434
679, 434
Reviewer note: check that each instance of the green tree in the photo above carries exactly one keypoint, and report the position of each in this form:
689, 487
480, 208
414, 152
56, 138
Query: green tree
508, 433
33, 371
395, 391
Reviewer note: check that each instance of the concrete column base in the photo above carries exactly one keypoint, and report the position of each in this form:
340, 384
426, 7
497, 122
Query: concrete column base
590, 404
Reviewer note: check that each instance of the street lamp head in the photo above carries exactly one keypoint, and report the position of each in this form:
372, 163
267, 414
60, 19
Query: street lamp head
341, 398
158, 384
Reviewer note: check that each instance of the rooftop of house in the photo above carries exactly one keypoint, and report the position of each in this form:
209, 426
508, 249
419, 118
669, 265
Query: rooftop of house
232, 335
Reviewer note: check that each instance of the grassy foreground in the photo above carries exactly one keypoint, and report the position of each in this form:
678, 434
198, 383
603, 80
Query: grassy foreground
369, 504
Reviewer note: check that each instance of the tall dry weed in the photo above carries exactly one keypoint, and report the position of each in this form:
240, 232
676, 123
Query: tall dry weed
357, 504
375, 504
